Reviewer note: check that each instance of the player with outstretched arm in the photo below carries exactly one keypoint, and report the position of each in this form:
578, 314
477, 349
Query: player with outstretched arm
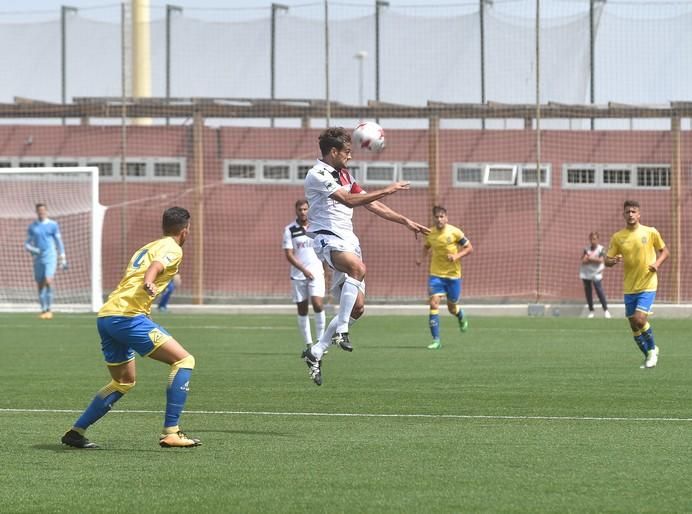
332, 194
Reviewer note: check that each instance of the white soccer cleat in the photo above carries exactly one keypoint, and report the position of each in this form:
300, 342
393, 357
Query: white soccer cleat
591, 315
607, 315
651, 358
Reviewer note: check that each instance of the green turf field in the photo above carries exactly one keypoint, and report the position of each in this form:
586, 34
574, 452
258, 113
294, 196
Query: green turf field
517, 415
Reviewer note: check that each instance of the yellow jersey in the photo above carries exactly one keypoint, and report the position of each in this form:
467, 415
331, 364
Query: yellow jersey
444, 242
638, 249
130, 297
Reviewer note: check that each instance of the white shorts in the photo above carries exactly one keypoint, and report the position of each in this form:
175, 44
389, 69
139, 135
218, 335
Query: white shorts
324, 244
303, 290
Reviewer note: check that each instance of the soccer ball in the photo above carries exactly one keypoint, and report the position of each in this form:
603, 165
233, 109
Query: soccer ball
369, 136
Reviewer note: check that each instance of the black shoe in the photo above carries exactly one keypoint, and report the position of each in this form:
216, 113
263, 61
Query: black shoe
77, 440
314, 366
342, 340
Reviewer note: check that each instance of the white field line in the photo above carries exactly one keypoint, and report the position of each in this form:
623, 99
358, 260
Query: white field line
360, 415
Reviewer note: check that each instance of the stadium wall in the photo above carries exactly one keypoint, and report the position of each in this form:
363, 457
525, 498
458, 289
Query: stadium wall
242, 223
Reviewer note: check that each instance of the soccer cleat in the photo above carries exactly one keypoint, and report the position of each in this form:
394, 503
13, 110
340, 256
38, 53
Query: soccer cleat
77, 440
606, 315
651, 358
177, 440
314, 367
591, 315
463, 324
46, 315
341, 338
435, 345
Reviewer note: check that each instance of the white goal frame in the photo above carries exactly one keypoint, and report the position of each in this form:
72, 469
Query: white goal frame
97, 216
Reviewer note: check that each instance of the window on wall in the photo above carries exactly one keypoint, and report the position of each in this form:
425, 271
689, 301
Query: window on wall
468, 175
380, 173
527, 176
136, 169
159, 169
653, 176
167, 169
415, 173
241, 171
276, 172
499, 174
592, 176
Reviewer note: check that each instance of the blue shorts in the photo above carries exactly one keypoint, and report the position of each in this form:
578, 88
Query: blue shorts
643, 302
450, 287
44, 267
122, 336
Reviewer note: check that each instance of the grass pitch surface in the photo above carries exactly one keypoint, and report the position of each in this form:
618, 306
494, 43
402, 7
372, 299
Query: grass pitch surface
516, 415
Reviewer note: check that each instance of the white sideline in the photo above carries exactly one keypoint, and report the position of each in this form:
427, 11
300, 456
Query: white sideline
359, 415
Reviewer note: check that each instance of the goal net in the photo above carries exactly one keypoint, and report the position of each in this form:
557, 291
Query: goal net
71, 197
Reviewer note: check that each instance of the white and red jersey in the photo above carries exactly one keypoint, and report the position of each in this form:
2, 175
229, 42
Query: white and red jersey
326, 215
296, 239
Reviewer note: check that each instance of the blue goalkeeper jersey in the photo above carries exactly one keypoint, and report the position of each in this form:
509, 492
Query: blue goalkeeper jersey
44, 239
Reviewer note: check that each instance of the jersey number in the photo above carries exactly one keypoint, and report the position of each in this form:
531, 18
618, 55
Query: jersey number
140, 257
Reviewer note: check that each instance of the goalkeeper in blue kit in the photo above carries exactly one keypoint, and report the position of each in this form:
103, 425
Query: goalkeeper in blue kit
44, 243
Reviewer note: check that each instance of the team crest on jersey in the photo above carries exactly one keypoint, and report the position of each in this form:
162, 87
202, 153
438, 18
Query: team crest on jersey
644, 240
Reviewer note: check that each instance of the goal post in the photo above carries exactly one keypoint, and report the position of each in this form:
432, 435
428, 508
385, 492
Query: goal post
71, 195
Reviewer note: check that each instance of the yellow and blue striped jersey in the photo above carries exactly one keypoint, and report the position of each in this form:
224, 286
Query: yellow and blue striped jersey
130, 298
444, 242
638, 249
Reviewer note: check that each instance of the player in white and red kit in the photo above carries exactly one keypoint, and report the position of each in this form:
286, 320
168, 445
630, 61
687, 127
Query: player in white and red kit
307, 273
332, 193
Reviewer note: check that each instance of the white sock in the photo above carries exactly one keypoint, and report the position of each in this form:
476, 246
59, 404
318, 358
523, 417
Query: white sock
320, 322
321, 346
304, 327
349, 295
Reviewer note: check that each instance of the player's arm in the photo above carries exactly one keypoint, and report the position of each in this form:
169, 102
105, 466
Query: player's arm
423, 255
153, 271
465, 248
388, 214
359, 198
663, 254
613, 256
290, 257
57, 237
29, 246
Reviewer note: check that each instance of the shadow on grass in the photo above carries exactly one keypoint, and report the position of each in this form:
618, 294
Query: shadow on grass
244, 432
61, 448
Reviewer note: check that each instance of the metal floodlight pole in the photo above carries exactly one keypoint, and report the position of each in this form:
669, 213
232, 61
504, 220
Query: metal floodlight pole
539, 238
327, 97
592, 54
272, 63
360, 57
64, 11
482, 35
170, 9
378, 6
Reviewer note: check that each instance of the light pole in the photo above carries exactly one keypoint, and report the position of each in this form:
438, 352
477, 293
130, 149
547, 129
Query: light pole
360, 57
64, 11
272, 57
170, 9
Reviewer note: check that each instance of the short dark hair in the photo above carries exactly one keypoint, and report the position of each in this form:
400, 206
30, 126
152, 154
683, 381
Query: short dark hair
300, 202
175, 219
41, 205
591, 234
333, 137
437, 209
630, 203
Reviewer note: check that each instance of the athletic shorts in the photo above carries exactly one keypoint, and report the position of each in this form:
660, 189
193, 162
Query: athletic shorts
449, 287
324, 244
302, 290
44, 267
122, 336
643, 302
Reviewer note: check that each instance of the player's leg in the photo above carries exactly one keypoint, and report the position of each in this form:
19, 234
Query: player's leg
434, 312
453, 289
40, 278
645, 303
182, 363
316, 289
299, 294
588, 293
353, 267
121, 366
598, 286
50, 265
